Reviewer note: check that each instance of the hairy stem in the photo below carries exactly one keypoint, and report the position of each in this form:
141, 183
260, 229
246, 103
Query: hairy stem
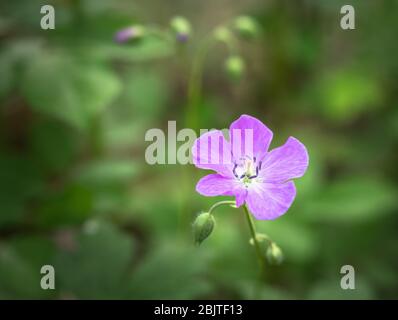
256, 243
221, 203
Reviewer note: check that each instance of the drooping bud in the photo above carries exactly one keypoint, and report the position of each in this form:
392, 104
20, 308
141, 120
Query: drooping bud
234, 66
130, 33
203, 227
246, 26
181, 28
274, 254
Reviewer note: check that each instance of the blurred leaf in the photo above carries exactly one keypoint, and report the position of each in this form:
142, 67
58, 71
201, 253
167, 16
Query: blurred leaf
72, 205
148, 48
70, 90
108, 179
107, 172
268, 292
13, 57
112, 200
233, 260
144, 98
342, 95
20, 181
381, 273
54, 145
97, 268
313, 178
20, 12
163, 214
119, 134
7, 77
352, 199
20, 263
298, 242
146, 92
331, 290
171, 271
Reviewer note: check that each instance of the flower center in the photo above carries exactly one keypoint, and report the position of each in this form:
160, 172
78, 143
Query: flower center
246, 169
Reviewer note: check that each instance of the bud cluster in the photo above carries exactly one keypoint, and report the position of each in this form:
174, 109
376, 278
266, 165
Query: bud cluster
243, 27
272, 251
179, 26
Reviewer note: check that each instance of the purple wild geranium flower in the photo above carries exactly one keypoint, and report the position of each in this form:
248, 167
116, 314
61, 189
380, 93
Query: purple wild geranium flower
259, 178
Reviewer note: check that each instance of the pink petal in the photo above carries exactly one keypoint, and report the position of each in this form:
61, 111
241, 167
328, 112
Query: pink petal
241, 195
267, 201
249, 137
217, 185
211, 151
286, 162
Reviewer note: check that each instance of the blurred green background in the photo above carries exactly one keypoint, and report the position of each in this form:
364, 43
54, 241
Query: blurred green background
76, 192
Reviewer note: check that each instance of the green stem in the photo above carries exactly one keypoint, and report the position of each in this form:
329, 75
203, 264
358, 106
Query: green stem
256, 243
96, 136
195, 85
192, 116
221, 203
160, 33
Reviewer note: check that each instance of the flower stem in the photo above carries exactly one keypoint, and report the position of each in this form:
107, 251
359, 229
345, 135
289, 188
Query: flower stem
191, 119
256, 243
221, 203
195, 85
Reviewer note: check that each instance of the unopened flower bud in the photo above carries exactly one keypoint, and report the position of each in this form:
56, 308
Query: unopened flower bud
260, 237
235, 67
181, 28
223, 34
130, 33
246, 26
274, 254
203, 227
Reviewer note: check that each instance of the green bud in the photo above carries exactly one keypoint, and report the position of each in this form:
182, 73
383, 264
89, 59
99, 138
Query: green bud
234, 67
274, 254
222, 34
246, 26
260, 237
203, 227
181, 27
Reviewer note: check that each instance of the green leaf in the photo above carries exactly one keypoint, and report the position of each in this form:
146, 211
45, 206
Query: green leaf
345, 94
233, 261
6, 79
72, 205
146, 92
352, 199
12, 60
46, 139
171, 271
148, 48
298, 242
21, 260
71, 90
331, 290
20, 181
107, 172
97, 268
